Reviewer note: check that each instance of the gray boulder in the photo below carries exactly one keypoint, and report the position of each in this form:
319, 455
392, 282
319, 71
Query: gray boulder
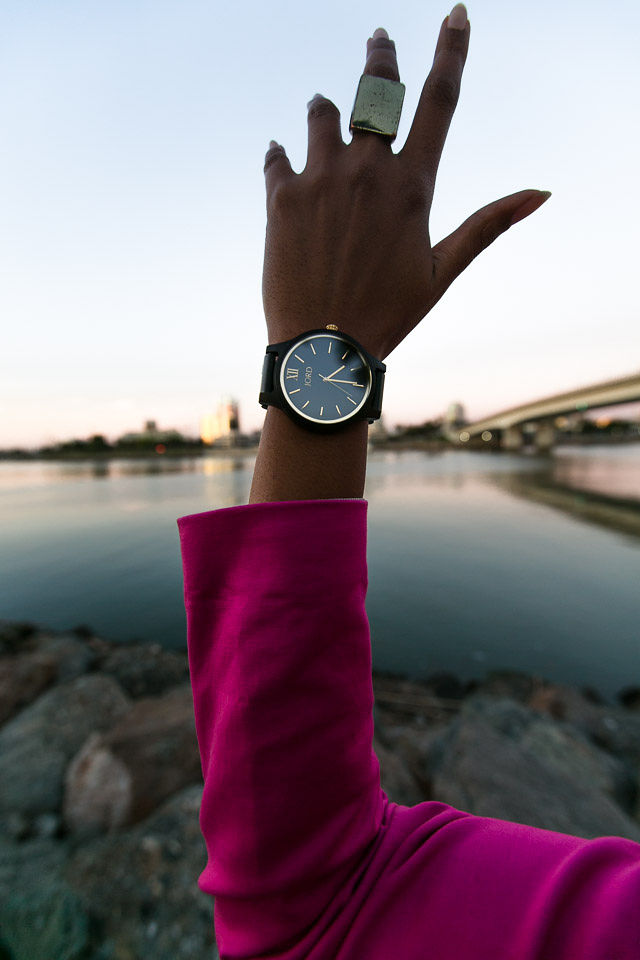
121, 776
501, 759
41, 918
140, 886
37, 744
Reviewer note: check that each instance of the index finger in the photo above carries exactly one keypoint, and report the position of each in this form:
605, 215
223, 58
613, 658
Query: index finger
439, 95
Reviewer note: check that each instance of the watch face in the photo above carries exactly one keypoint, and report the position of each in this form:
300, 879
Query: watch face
325, 378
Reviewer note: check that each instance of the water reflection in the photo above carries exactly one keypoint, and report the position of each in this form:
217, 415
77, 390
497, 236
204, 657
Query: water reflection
21, 475
620, 514
476, 559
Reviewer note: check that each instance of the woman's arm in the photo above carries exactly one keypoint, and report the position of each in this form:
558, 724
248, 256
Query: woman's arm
278, 636
347, 242
294, 464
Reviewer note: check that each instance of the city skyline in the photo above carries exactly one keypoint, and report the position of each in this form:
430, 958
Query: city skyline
134, 213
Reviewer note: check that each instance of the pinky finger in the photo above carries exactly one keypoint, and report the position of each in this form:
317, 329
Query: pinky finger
276, 166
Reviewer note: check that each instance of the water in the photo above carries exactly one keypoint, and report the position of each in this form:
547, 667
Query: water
476, 561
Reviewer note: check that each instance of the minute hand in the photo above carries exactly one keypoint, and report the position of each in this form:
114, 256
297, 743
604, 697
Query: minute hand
352, 383
327, 380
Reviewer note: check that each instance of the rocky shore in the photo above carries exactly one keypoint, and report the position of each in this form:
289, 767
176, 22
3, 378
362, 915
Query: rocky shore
100, 783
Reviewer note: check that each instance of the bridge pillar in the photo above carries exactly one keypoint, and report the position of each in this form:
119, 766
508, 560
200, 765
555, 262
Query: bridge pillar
545, 435
511, 438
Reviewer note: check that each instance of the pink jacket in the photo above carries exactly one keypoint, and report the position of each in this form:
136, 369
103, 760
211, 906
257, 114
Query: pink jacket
307, 856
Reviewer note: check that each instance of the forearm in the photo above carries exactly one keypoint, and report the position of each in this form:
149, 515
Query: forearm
295, 464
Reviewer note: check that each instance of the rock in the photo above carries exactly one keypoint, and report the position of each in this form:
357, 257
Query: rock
144, 669
36, 745
445, 686
140, 886
500, 759
395, 777
629, 697
71, 655
23, 677
509, 683
14, 636
611, 727
45, 659
40, 916
120, 776
98, 793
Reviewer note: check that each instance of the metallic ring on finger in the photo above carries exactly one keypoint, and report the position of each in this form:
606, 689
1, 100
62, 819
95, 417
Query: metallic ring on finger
377, 106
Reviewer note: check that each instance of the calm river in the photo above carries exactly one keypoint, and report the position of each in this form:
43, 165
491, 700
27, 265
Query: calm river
476, 561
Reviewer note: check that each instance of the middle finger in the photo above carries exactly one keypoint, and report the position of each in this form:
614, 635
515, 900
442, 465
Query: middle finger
381, 61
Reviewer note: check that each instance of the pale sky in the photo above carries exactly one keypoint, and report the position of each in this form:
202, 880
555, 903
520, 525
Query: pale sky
132, 202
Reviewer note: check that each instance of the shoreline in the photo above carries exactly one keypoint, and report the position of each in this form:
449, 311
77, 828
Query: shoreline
252, 450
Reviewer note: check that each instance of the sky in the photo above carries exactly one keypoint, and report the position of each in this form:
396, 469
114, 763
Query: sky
132, 202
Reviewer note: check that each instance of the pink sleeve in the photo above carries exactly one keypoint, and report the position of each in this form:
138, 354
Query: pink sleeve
307, 857
280, 662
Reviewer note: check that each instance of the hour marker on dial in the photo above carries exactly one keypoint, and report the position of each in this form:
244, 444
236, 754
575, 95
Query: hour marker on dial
313, 348
306, 404
291, 392
321, 409
338, 409
298, 358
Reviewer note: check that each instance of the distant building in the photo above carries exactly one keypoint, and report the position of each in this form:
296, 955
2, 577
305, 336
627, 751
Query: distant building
455, 415
222, 428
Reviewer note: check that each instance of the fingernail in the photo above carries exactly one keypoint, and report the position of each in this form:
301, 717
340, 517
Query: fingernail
314, 97
458, 17
380, 32
533, 203
272, 143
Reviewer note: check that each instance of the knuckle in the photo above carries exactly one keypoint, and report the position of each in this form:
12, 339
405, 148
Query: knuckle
365, 178
321, 107
320, 183
443, 90
272, 155
281, 197
414, 194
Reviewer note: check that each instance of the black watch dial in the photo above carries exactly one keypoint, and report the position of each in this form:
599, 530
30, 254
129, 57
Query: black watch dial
325, 378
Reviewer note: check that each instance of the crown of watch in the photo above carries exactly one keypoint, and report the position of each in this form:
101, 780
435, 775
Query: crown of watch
331, 326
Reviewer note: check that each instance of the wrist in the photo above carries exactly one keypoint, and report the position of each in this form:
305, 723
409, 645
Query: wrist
295, 464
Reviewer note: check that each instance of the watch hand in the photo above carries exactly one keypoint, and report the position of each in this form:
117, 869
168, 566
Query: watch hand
327, 380
352, 383
335, 371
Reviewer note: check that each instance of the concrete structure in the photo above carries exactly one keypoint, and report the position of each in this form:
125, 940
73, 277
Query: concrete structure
538, 418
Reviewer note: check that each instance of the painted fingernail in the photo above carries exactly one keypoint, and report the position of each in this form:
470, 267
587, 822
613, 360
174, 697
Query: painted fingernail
272, 144
316, 96
458, 17
529, 206
380, 32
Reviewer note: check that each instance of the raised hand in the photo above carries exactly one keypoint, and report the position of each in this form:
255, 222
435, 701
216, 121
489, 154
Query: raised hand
347, 239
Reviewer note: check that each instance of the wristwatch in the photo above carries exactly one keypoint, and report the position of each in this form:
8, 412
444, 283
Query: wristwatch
323, 379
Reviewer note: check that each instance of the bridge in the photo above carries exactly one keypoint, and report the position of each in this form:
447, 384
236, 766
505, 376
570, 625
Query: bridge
537, 418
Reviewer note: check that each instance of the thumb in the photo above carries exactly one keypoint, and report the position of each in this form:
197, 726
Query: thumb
454, 254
